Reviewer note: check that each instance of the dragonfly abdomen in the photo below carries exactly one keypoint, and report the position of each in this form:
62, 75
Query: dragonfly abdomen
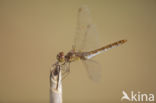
103, 49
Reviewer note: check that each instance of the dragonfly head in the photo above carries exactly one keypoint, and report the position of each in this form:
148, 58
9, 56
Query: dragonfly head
60, 57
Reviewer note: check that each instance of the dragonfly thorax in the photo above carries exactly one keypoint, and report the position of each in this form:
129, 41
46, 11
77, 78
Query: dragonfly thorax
71, 56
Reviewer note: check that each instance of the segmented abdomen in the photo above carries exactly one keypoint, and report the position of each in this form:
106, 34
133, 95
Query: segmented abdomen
105, 48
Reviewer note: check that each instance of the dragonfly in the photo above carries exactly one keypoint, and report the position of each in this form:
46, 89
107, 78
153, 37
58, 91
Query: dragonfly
85, 47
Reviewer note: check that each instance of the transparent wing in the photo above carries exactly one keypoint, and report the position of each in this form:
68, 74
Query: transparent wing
86, 37
93, 69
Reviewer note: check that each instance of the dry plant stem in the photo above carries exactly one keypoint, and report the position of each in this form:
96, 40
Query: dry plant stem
55, 87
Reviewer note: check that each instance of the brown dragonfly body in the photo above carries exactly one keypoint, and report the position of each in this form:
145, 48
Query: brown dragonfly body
73, 55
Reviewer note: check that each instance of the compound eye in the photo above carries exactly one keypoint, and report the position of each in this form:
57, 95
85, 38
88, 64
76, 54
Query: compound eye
61, 53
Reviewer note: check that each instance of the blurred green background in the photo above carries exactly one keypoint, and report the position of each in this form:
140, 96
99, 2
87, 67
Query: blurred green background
33, 32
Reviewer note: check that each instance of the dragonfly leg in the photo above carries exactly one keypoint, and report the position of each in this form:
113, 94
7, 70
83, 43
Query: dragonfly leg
66, 73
